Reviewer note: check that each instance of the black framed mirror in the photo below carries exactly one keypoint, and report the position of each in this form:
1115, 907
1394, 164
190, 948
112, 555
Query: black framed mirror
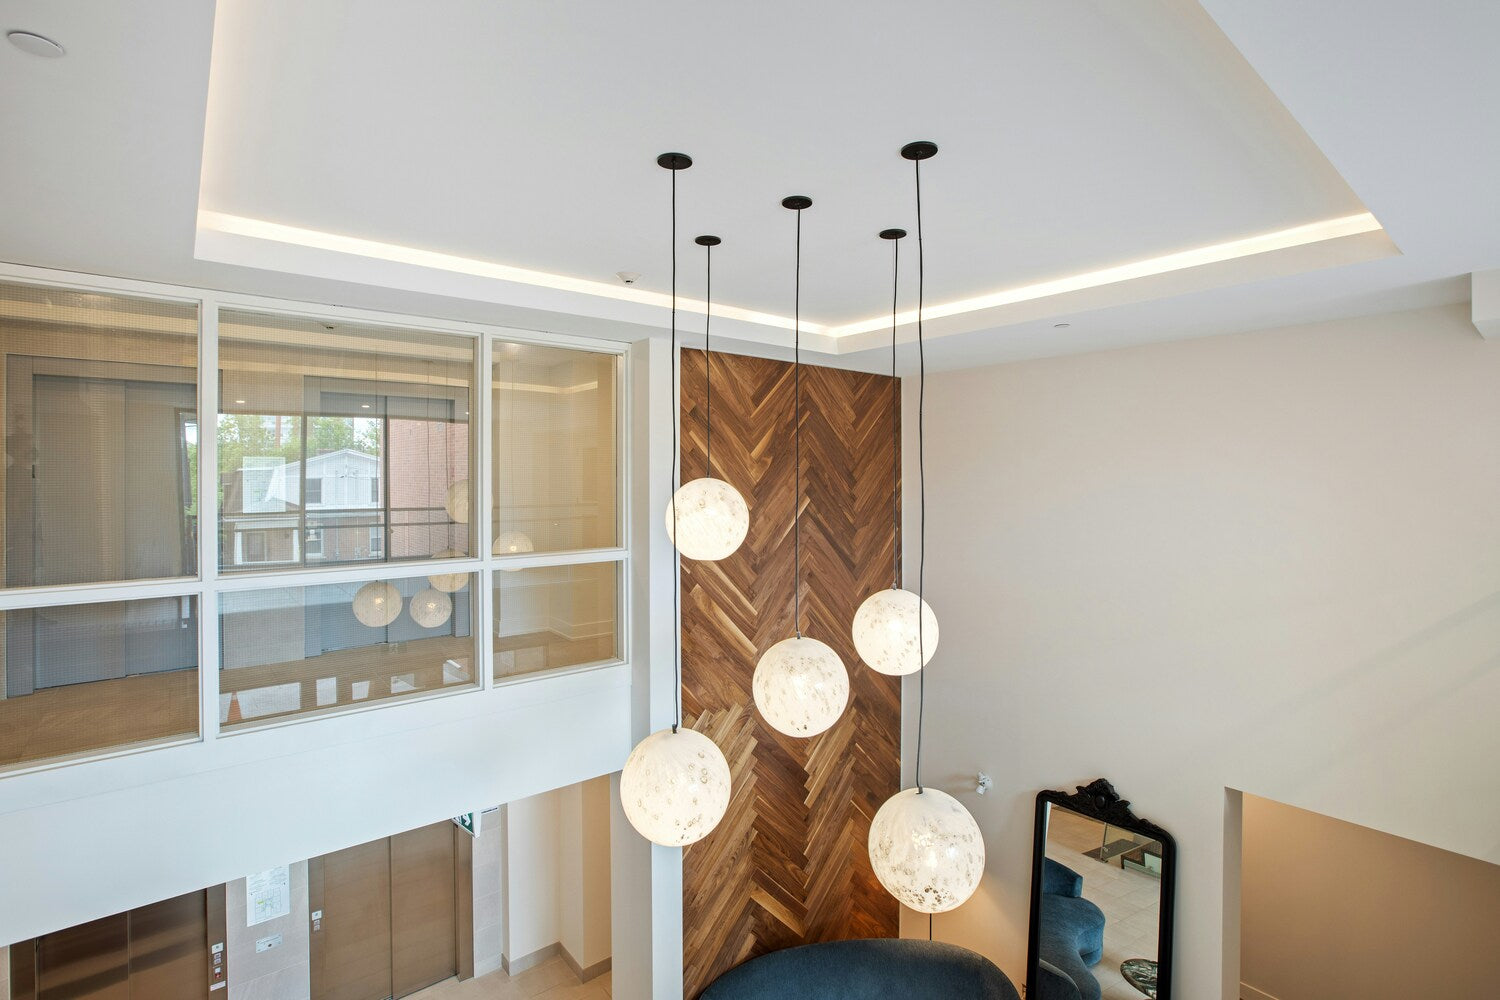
1101, 899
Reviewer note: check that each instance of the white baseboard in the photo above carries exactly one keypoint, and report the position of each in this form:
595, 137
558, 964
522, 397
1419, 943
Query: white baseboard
1248, 992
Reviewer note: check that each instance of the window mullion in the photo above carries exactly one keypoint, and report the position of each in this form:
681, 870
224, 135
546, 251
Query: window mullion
208, 517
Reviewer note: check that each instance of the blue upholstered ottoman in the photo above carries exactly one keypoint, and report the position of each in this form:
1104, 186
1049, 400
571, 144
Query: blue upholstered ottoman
878, 969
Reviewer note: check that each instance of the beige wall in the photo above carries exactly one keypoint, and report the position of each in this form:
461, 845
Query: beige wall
1335, 911
584, 889
555, 877
1267, 562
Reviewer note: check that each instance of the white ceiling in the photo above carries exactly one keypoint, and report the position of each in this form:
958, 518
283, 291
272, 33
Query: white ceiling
1075, 136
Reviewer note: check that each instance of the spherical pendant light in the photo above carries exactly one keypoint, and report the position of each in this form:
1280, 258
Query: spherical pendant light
456, 502
511, 543
449, 583
885, 632
800, 686
707, 519
377, 604
926, 850
431, 608
675, 787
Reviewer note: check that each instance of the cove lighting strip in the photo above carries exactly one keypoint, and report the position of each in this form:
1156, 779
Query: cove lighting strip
275, 232
1314, 232
1283, 239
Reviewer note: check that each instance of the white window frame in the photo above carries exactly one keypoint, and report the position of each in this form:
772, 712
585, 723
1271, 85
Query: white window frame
209, 583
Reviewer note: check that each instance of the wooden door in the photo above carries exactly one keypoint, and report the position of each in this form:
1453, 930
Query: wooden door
351, 941
168, 950
424, 931
88, 962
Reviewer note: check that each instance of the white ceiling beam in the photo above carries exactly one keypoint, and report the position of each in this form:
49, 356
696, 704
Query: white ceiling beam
1484, 298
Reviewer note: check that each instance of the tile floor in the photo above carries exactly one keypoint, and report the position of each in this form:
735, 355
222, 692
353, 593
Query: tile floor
552, 980
1130, 900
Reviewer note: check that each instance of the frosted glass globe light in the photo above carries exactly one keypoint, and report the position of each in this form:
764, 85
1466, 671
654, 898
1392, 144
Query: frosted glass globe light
511, 543
449, 583
377, 604
675, 787
710, 519
456, 502
800, 686
431, 608
926, 850
885, 632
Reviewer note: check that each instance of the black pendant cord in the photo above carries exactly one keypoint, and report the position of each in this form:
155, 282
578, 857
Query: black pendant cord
676, 557
895, 421
708, 360
797, 435
676, 417
921, 479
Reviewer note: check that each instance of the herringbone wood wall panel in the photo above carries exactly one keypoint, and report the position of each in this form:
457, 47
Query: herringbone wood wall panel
788, 865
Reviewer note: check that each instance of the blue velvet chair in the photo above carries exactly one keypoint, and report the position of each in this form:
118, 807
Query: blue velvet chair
1070, 938
877, 969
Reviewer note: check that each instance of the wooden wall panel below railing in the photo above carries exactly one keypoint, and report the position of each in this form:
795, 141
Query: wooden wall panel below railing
788, 864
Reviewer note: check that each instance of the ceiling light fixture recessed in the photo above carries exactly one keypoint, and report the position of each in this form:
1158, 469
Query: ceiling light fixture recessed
36, 45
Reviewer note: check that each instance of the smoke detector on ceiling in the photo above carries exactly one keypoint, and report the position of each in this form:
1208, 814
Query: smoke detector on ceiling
37, 45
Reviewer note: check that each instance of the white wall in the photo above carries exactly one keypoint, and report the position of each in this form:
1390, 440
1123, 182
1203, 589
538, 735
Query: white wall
178, 819
1267, 562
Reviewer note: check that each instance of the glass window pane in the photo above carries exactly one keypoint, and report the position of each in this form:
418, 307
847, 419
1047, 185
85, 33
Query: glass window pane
556, 465
82, 678
292, 650
99, 398
341, 444
556, 616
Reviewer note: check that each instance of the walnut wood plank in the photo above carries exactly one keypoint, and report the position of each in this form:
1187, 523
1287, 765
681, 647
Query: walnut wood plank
788, 864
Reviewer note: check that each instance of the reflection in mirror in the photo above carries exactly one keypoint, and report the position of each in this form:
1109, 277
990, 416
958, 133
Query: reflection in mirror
1101, 905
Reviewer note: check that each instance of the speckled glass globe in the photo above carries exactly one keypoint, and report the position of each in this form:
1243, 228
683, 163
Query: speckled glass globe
456, 502
800, 686
377, 604
431, 608
885, 632
926, 850
710, 519
449, 583
675, 787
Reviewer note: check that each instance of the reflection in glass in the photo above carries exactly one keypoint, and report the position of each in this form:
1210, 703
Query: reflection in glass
1099, 909
556, 616
340, 444
99, 398
87, 677
291, 650
555, 452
